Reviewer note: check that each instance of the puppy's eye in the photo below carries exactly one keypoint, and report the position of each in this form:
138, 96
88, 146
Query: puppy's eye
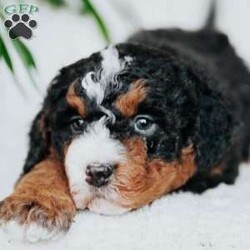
77, 124
145, 125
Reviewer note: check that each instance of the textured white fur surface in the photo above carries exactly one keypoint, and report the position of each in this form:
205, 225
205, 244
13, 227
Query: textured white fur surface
31, 233
219, 219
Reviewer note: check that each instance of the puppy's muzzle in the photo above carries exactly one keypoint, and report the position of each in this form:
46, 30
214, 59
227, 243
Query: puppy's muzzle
99, 174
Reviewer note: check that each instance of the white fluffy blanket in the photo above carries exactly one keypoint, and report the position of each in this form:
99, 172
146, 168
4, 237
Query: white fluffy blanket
218, 219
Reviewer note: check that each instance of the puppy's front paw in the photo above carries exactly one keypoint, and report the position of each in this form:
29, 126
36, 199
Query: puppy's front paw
35, 219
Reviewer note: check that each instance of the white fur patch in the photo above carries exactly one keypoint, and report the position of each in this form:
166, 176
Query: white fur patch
93, 147
95, 83
111, 64
94, 90
28, 232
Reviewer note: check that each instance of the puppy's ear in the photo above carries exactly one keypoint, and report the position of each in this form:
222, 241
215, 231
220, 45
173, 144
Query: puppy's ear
216, 128
39, 141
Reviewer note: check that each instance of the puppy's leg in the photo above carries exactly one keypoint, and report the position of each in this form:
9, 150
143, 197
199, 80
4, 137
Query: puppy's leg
40, 207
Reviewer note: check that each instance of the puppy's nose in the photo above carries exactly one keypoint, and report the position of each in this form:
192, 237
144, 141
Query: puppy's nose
98, 175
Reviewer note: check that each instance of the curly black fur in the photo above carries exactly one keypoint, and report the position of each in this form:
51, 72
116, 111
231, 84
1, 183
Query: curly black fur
199, 95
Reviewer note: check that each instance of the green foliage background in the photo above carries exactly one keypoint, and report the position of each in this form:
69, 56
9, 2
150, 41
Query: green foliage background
27, 59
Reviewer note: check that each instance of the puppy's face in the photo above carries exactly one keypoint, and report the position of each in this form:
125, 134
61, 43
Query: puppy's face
125, 126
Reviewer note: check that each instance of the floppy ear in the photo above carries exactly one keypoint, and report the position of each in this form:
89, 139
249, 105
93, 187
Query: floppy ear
39, 141
216, 128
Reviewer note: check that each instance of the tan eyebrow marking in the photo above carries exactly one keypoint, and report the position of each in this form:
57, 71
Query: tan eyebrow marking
75, 101
128, 103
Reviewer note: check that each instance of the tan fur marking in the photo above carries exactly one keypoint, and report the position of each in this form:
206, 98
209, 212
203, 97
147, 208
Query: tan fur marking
217, 170
42, 127
41, 196
76, 101
140, 181
128, 103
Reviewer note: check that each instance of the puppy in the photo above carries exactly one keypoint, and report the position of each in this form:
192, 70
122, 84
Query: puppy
167, 110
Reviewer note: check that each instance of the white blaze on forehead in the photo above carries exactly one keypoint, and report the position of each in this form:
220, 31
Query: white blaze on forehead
111, 66
94, 146
94, 90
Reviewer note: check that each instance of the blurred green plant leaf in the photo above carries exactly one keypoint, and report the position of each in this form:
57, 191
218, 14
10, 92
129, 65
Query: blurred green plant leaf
88, 7
1, 12
27, 58
56, 3
5, 54
24, 54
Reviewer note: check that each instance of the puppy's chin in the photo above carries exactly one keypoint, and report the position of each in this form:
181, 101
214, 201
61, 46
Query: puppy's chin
99, 200
106, 207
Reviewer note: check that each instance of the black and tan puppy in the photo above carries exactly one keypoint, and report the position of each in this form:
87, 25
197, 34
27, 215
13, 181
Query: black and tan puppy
167, 110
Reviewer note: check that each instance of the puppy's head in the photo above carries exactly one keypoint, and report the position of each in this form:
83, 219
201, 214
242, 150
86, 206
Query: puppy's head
131, 123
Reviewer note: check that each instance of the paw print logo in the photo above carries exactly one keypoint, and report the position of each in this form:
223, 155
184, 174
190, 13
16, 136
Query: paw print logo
20, 26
